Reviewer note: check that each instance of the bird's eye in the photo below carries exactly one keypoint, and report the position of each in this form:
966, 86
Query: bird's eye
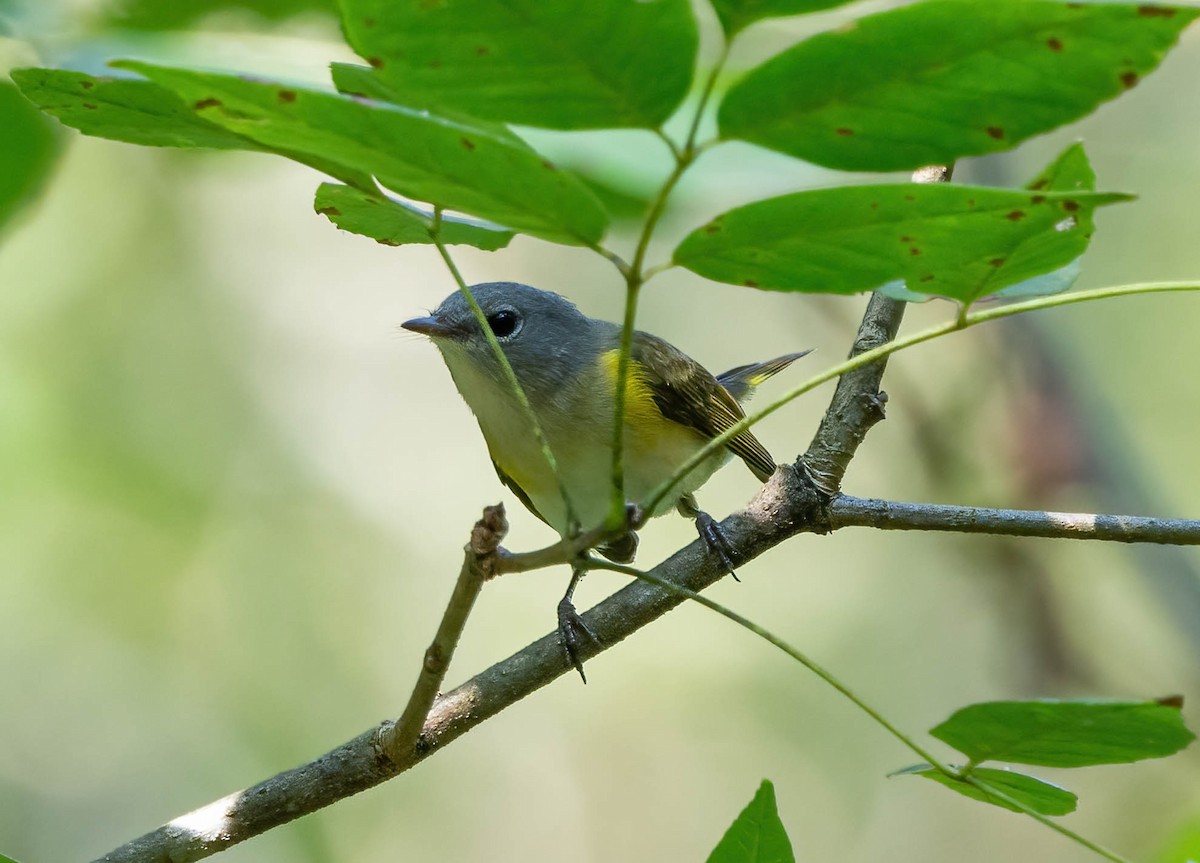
504, 323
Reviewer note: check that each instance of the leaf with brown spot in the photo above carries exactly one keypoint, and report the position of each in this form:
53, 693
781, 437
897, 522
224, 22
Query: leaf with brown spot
842, 240
413, 153
932, 82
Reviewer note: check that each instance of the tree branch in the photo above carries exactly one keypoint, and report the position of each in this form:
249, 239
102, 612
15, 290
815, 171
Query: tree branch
858, 402
479, 562
784, 507
846, 511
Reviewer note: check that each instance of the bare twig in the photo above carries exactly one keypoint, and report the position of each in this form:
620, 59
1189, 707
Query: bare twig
846, 511
479, 561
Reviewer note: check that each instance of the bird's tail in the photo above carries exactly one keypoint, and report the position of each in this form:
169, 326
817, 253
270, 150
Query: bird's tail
741, 381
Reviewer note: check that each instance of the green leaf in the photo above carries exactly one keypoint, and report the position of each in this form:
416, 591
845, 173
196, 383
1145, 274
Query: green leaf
756, 835
365, 83
954, 241
137, 112
550, 63
157, 15
736, 15
28, 150
1066, 733
414, 153
4, 859
395, 224
935, 81
1070, 172
1042, 797
142, 112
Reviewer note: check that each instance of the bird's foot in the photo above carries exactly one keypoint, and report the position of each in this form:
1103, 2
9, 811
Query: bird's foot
573, 632
715, 539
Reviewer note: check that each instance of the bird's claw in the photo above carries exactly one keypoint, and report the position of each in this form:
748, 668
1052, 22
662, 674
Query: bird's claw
572, 632
715, 539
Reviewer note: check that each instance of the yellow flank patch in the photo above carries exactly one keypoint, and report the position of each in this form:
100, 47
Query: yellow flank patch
640, 410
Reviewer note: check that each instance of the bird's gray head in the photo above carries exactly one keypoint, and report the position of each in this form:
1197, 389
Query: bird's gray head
546, 339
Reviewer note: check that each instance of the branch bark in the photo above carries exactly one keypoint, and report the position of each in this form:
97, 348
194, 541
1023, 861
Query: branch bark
846, 511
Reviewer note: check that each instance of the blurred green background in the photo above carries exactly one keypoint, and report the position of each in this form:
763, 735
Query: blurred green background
233, 499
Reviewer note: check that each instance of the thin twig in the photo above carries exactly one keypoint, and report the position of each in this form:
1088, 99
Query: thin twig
846, 511
479, 559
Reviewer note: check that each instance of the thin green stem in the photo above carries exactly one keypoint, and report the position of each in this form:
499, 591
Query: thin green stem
963, 775
635, 276
867, 357
1042, 819
778, 642
506, 368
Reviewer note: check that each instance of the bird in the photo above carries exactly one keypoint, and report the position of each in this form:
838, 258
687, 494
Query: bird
567, 364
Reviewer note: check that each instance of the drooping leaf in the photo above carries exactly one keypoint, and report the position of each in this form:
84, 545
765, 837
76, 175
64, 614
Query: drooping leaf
550, 63
1042, 797
736, 15
29, 148
416, 154
954, 241
756, 835
1066, 733
935, 81
141, 112
123, 109
396, 224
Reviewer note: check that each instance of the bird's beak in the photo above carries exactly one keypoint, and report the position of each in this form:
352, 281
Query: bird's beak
431, 327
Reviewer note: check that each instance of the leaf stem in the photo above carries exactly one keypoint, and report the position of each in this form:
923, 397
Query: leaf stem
636, 275
858, 360
828, 677
506, 368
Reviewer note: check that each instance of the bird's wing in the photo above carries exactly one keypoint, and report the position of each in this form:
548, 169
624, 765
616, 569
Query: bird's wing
517, 490
686, 393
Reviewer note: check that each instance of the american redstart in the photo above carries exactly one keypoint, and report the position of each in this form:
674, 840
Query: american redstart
567, 364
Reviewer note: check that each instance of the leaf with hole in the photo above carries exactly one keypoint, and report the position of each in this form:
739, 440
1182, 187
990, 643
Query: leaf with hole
548, 63
1066, 733
414, 153
756, 835
932, 82
393, 223
960, 242
1042, 797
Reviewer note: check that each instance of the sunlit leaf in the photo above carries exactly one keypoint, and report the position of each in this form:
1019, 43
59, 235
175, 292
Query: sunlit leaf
396, 224
28, 150
1066, 733
954, 241
931, 82
756, 835
1042, 797
550, 63
735, 15
416, 154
